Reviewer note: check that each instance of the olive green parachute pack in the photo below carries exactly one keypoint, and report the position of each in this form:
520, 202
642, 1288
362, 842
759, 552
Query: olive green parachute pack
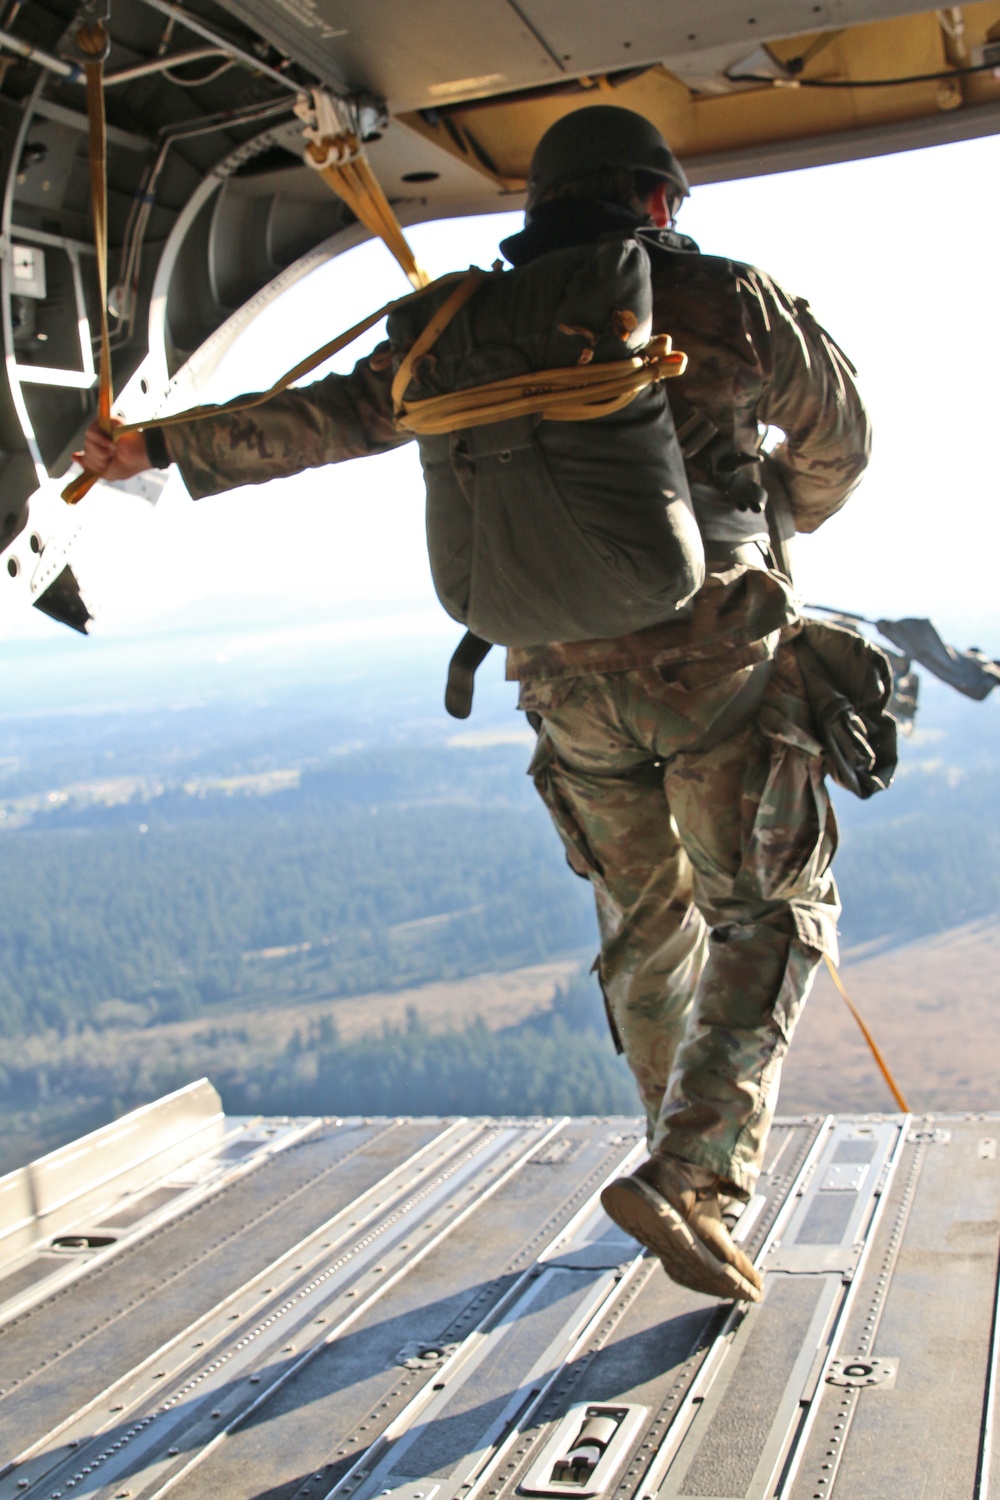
548, 530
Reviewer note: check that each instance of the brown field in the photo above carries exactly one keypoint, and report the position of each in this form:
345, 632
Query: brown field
934, 1009
250, 1037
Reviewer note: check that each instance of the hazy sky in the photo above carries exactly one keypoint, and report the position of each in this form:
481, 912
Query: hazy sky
898, 257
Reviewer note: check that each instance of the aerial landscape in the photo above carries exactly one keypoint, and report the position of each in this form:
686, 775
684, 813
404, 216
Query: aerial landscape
294, 874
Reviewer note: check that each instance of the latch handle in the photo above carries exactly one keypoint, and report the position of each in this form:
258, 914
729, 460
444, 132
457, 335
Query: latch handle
588, 1449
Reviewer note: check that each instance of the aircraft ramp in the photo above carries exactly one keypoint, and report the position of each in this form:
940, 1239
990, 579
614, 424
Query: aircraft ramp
438, 1309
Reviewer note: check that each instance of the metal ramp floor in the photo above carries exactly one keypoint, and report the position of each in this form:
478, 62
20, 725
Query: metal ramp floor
438, 1309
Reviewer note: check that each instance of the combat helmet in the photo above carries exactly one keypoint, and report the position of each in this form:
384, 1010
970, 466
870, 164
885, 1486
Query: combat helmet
597, 138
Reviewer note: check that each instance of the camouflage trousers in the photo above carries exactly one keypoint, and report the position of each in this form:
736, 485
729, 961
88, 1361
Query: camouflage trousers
710, 864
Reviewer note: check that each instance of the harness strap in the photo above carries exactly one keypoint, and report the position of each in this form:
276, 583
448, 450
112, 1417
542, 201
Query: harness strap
468, 657
575, 394
356, 183
470, 283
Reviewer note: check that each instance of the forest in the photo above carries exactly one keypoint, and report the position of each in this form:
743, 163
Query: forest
160, 905
371, 869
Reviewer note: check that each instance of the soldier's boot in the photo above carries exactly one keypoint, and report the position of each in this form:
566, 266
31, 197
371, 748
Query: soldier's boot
673, 1208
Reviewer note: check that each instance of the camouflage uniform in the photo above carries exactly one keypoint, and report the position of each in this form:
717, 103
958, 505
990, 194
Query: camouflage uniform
704, 828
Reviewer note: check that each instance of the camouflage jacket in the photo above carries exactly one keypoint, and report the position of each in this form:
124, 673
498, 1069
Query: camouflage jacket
756, 358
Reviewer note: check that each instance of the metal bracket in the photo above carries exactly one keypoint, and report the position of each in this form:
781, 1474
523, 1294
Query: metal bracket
93, 16
863, 1371
586, 1451
928, 1137
815, 1260
418, 1354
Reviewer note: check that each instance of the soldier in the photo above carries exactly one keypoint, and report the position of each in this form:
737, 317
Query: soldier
680, 763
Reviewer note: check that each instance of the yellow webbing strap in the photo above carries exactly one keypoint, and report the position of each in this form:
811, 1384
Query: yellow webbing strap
571, 395
883, 1066
92, 41
356, 183
471, 283
576, 394
304, 367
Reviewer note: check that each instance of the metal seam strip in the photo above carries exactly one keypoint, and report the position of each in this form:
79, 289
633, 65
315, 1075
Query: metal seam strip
660, 1462
800, 1437
268, 1272
848, 1403
490, 1311
405, 1419
602, 1311
53, 1288
985, 1458
356, 1312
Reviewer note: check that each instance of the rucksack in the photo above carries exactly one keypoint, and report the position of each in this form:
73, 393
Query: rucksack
542, 530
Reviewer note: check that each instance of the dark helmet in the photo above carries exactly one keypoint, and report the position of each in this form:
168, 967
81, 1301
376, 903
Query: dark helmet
598, 138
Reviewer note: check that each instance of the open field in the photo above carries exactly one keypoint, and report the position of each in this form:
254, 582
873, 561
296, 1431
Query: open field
932, 1005
244, 1039
934, 1008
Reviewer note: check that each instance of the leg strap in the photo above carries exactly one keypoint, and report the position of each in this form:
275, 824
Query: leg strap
469, 656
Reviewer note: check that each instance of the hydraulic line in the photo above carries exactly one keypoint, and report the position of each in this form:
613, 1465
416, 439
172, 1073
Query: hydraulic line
163, 64
185, 18
58, 65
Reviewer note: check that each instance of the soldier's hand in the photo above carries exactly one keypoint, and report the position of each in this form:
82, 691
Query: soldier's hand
100, 454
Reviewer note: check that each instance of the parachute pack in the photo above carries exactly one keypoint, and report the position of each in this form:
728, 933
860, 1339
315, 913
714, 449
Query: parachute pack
547, 529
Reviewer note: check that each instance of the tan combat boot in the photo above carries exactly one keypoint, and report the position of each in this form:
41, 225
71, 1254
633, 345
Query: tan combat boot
673, 1208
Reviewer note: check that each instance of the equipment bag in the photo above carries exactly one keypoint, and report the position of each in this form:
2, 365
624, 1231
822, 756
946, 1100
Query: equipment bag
848, 683
549, 530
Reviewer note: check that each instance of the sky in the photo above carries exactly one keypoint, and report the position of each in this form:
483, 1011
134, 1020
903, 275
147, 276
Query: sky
897, 256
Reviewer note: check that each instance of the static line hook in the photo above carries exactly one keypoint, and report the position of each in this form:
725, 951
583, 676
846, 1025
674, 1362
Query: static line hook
93, 32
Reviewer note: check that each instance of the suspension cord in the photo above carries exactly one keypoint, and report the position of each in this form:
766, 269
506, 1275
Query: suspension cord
880, 1061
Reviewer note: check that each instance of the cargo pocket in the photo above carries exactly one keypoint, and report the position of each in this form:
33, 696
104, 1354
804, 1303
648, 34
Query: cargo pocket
545, 772
793, 838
